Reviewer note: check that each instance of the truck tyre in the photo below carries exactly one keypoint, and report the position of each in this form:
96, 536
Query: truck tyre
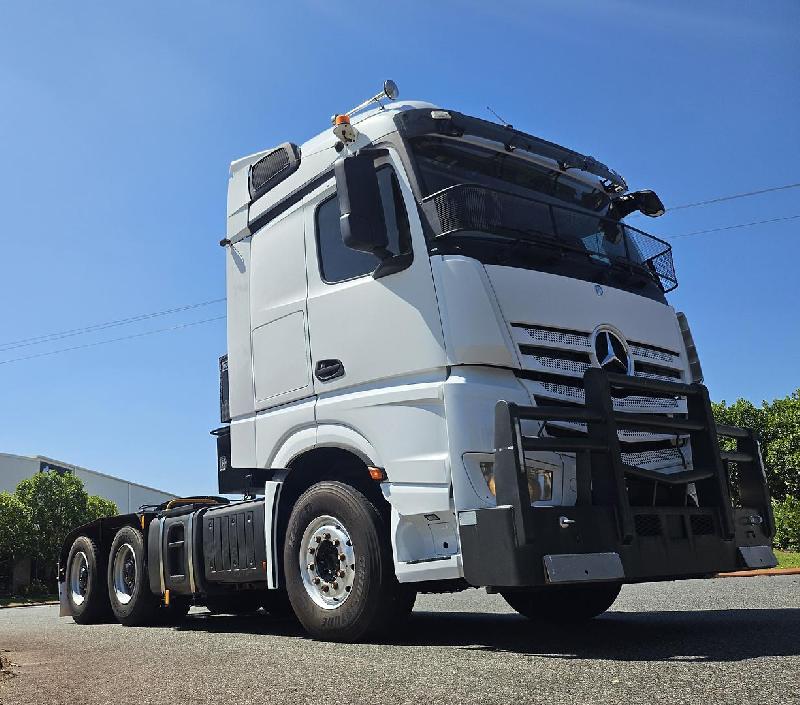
86, 589
338, 564
563, 603
128, 586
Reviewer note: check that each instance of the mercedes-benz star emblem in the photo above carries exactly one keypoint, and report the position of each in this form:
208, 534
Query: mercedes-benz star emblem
612, 353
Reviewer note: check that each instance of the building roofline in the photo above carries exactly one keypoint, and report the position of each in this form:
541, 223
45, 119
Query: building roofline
72, 466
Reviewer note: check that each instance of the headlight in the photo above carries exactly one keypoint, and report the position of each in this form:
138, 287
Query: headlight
540, 481
691, 351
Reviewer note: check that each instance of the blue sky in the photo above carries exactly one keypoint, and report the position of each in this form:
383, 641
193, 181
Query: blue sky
118, 123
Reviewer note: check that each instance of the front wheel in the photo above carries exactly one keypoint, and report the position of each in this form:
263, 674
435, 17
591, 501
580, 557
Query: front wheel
563, 603
338, 564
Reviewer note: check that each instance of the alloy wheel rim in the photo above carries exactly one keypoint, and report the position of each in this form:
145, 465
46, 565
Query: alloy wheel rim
327, 562
79, 578
124, 573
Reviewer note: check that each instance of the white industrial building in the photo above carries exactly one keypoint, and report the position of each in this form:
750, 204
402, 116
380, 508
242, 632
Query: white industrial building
128, 496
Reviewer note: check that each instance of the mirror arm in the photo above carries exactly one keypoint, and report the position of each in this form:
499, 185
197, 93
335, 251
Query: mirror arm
393, 264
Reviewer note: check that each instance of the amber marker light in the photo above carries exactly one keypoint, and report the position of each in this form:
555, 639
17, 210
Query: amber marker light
377, 474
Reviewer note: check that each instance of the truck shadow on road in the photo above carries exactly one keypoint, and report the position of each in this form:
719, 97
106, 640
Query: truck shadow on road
692, 636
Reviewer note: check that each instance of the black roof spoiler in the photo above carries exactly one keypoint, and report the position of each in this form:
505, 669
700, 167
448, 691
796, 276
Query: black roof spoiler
420, 121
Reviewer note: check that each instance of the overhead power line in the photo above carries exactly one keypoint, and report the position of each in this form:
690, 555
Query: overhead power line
112, 340
60, 335
722, 199
731, 227
732, 197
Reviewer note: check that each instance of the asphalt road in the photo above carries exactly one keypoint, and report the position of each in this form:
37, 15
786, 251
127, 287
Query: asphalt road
713, 641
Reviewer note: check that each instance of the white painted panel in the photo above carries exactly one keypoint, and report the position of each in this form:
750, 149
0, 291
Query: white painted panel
278, 369
108, 487
275, 426
14, 469
281, 364
379, 328
404, 422
473, 324
551, 300
240, 367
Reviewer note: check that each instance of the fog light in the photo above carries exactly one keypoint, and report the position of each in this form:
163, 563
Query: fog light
540, 481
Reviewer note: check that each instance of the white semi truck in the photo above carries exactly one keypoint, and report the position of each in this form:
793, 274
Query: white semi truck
450, 363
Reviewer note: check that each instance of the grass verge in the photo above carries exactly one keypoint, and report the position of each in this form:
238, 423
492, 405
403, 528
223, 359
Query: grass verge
30, 600
788, 559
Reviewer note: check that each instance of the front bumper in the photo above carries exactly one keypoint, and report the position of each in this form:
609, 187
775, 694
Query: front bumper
603, 537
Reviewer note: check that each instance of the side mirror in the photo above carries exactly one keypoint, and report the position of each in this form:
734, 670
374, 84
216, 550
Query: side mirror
646, 202
360, 206
650, 204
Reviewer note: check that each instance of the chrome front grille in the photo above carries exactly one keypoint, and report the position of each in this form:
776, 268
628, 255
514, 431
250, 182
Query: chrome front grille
556, 360
576, 353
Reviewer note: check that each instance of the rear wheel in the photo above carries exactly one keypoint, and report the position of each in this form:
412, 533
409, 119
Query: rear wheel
86, 590
338, 564
128, 586
563, 603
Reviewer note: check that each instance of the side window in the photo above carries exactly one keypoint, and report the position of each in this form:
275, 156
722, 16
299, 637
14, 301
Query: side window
337, 262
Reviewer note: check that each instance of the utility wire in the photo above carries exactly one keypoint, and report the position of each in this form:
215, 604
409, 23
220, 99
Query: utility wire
112, 340
731, 227
732, 197
60, 335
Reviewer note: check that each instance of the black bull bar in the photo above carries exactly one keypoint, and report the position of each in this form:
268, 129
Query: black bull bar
603, 537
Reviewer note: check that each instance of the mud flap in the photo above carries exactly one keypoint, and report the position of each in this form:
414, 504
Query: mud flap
64, 609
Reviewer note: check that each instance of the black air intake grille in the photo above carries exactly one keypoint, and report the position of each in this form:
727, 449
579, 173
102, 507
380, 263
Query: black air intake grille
273, 168
648, 524
702, 524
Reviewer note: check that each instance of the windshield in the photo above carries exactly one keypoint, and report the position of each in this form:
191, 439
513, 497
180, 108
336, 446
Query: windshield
471, 192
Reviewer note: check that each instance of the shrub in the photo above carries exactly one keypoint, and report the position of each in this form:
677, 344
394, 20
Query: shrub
787, 523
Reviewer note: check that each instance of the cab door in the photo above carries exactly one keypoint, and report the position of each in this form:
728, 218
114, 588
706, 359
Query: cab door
365, 331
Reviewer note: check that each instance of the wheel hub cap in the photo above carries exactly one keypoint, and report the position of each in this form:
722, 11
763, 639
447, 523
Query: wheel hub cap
327, 562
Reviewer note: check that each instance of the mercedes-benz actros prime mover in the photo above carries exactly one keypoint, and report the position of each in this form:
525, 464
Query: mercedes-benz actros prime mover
450, 363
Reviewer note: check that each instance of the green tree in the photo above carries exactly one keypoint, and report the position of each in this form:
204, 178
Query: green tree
778, 427
16, 528
98, 507
56, 504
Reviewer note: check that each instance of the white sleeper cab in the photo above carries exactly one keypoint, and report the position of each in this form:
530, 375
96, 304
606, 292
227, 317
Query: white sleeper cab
450, 363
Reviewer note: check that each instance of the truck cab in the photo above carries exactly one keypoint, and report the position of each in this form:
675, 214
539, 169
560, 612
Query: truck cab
450, 363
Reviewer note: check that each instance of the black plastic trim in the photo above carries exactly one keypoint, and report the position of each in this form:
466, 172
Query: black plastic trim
506, 545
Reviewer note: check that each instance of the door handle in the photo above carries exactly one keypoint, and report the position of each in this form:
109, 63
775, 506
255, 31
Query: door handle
326, 370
